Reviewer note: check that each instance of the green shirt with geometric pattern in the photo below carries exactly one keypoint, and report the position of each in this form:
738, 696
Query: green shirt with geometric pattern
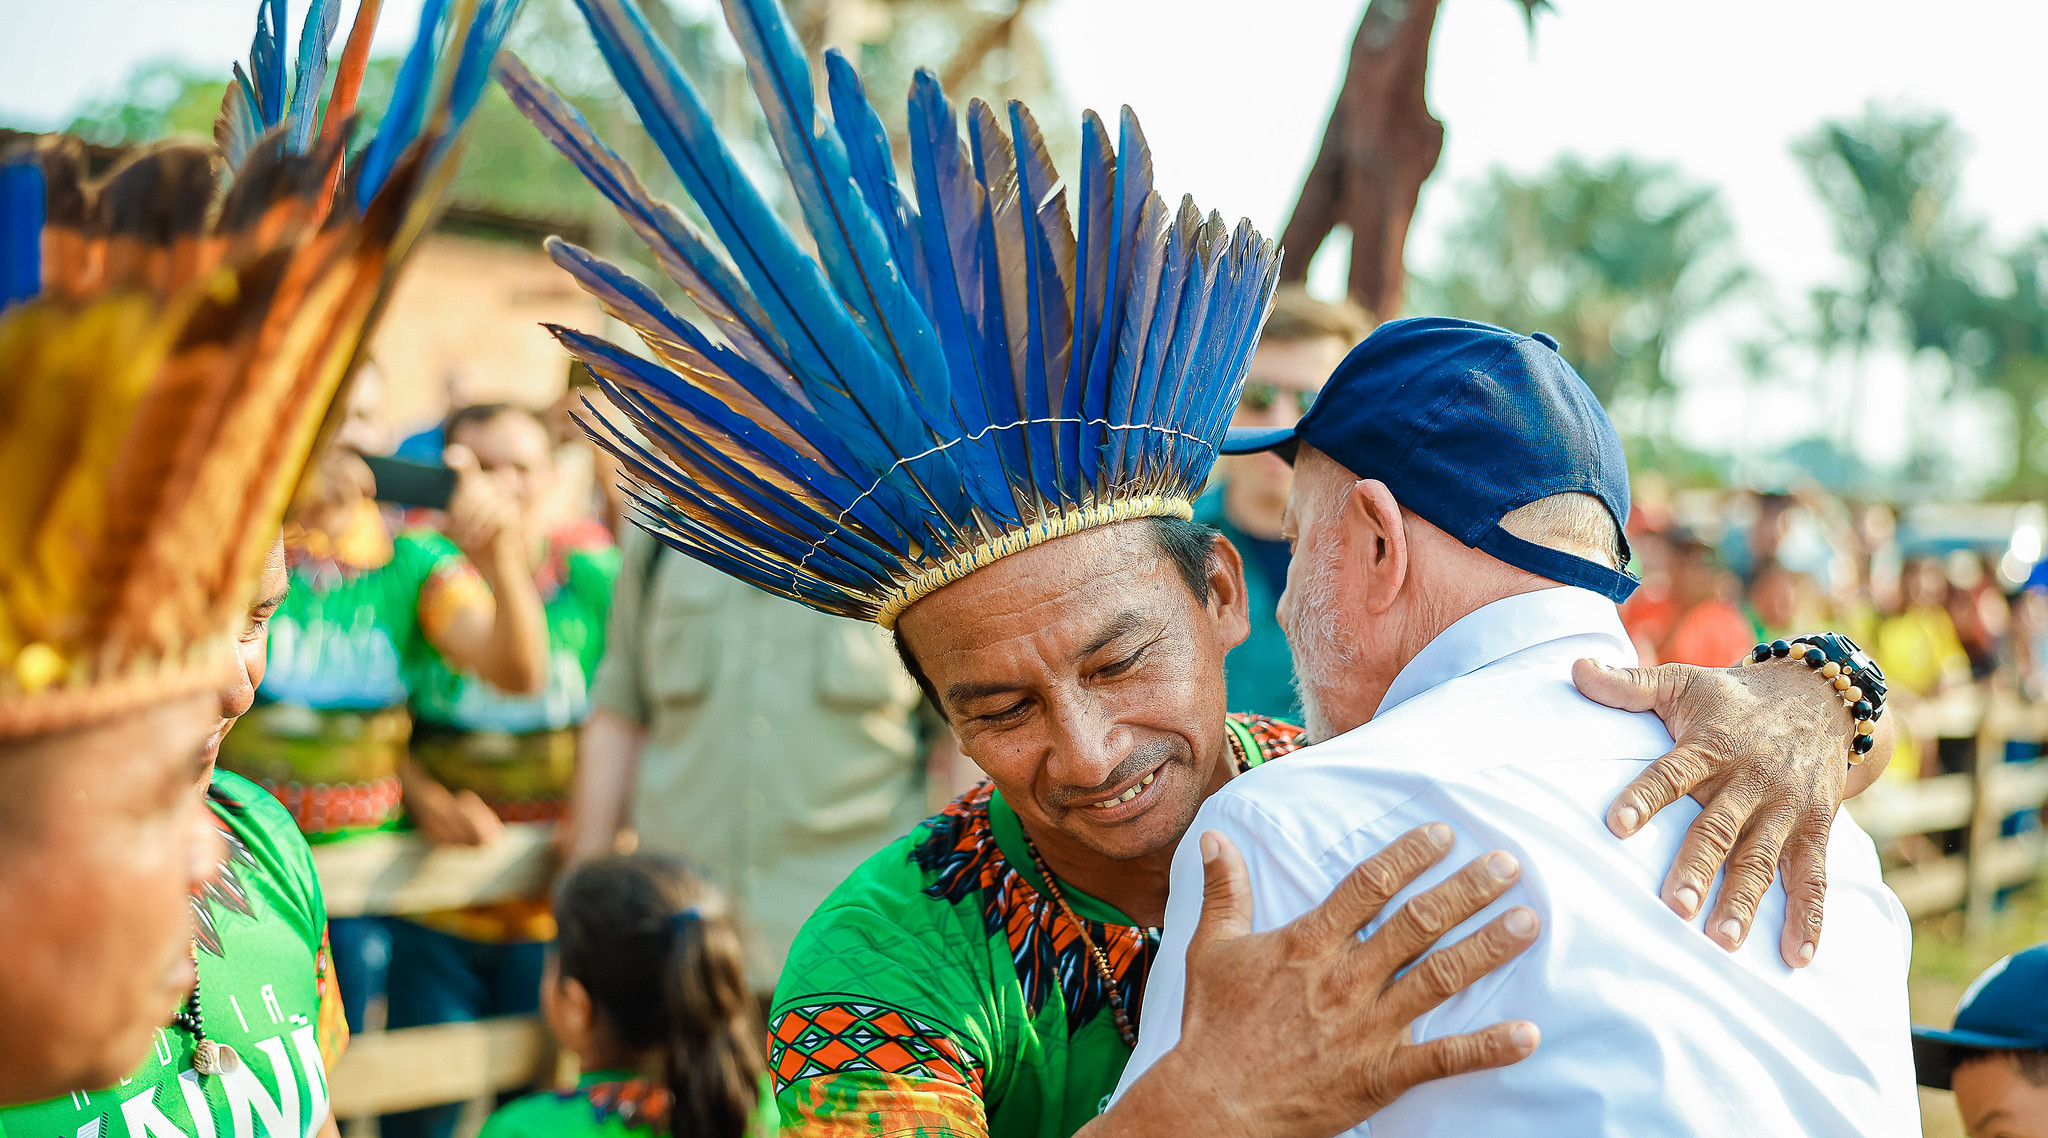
940, 992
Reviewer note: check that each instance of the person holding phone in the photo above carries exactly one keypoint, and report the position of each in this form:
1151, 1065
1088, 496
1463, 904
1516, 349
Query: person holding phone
482, 756
329, 731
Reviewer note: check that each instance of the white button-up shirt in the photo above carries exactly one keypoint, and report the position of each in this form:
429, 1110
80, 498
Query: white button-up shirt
1649, 1028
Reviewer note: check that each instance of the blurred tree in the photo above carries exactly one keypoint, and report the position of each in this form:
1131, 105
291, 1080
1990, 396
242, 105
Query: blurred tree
1929, 280
162, 97
1615, 260
1381, 144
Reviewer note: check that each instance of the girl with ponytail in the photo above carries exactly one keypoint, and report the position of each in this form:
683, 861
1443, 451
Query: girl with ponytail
646, 986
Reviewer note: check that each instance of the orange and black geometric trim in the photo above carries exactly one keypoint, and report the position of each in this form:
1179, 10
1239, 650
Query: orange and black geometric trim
961, 852
833, 1038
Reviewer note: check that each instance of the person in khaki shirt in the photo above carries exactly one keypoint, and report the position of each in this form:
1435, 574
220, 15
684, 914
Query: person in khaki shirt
772, 747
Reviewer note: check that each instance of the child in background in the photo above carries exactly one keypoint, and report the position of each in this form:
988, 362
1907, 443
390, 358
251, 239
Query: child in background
645, 985
1995, 1058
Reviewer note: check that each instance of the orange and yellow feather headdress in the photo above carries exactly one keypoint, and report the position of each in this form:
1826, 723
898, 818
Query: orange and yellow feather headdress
172, 336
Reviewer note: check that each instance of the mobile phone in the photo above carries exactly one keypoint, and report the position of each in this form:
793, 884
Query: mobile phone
428, 485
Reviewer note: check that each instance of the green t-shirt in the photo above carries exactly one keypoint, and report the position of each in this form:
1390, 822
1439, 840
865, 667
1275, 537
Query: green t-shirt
575, 583
263, 990
940, 992
328, 733
605, 1104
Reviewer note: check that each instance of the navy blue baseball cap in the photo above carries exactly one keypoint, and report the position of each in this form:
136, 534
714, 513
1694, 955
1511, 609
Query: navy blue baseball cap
1465, 422
2005, 1009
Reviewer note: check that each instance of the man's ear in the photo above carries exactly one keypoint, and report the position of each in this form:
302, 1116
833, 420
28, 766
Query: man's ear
1379, 539
1227, 598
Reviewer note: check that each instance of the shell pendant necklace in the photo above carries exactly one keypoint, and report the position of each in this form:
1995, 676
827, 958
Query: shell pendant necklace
209, 1056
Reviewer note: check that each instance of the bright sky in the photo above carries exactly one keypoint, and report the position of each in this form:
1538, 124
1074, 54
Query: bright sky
1234, 97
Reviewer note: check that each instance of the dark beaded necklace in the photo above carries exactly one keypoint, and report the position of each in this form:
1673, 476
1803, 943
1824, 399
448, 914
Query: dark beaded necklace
209, 1056
1124, 1026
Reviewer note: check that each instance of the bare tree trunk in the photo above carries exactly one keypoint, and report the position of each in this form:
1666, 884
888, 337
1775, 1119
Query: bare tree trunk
1381, 145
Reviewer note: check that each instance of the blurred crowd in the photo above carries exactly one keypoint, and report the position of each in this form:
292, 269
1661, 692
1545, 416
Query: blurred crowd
1943, 599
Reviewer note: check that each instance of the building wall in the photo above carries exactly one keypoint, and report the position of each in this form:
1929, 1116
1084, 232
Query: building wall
471, 308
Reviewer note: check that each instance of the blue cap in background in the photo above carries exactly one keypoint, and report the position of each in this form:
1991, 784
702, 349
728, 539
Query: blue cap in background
1465, 422
2005, 1009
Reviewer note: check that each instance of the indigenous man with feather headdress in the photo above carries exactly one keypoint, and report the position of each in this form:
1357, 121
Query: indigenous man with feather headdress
977, 416
168, 352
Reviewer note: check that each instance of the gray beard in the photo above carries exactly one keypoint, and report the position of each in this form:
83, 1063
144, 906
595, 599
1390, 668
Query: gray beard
1318, 659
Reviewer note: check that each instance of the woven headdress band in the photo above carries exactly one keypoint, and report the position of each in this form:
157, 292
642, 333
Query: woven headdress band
978, 358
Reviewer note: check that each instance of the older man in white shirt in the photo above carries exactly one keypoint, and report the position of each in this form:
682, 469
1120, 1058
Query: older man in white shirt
1458, 548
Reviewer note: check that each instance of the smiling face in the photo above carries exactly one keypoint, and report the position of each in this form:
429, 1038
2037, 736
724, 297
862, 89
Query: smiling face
101, 840
1086, 678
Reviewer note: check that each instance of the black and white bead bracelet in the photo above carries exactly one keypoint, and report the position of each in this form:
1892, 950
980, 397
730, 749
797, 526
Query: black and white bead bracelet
1855, 676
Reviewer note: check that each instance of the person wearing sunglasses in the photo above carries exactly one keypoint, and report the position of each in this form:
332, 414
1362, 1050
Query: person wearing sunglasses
1301, 345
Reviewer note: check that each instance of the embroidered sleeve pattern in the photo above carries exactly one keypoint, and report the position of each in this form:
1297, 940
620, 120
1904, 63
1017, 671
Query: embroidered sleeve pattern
848, 1068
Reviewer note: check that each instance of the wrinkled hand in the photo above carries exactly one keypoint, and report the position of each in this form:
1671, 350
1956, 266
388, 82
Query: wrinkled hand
483, 514
1305, 1030
1764, 749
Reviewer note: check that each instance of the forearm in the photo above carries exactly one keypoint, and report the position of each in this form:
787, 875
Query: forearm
515, 651
607, 765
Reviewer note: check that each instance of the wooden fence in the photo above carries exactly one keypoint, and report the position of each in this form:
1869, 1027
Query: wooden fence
1976, 802
397, 874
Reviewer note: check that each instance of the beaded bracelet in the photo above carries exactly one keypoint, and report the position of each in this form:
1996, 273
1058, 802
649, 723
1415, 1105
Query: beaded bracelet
1856, 677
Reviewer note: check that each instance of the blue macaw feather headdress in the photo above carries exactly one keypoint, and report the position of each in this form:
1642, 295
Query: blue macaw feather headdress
967, 367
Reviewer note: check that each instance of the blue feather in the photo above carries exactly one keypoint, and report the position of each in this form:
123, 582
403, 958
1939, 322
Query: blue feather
849, 235
239, 127
874, 170
22, 204
401, 122
1006, 301
592, 351
688, 352
473, 64
834, 360
950, 203
1092, 292
266, 62
1133, 186
719, 482
1159, 340
322, 17
704, 275
1180, 377
1147, 252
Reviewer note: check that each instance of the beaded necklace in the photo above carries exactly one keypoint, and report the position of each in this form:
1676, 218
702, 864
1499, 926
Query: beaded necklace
209, 1056
1124, 1027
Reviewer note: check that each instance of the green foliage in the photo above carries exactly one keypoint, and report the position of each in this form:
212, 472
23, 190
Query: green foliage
1615, 260
161, 98
1928, 277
